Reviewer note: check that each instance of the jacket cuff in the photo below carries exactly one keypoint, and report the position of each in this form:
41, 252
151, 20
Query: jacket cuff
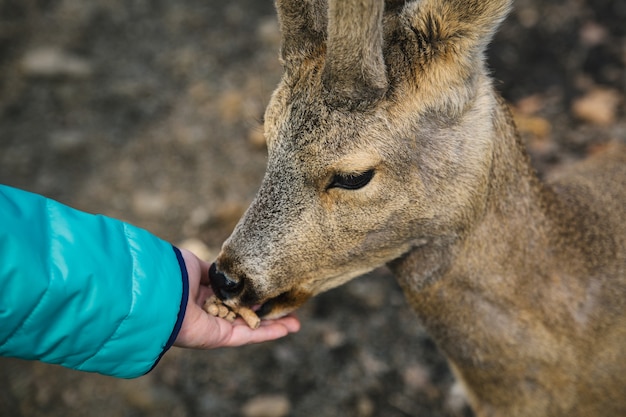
183, 305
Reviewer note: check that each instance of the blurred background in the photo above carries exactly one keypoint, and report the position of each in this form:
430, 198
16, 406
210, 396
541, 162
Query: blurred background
150, 110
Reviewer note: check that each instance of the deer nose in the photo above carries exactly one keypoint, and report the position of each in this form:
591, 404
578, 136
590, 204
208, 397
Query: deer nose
223, 286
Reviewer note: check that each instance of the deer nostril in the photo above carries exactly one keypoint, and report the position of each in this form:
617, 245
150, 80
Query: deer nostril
223, 286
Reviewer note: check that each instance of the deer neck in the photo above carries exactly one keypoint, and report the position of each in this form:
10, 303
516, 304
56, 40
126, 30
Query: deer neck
470, 291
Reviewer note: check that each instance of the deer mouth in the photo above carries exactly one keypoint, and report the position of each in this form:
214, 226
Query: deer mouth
241, 292
281, 305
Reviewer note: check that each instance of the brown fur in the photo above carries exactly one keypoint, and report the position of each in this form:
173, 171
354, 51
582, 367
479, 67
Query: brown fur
521, 283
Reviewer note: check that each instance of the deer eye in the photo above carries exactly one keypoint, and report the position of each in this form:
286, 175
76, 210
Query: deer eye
351, 181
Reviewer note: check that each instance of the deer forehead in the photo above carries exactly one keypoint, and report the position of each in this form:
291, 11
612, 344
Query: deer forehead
312, 134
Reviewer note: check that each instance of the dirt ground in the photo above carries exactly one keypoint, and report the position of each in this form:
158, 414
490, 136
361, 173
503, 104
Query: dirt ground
149, 111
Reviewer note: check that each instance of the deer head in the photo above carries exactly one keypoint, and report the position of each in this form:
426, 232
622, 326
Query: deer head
380, 141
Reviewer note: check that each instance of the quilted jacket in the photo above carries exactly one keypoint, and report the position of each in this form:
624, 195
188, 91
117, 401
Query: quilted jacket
85, 291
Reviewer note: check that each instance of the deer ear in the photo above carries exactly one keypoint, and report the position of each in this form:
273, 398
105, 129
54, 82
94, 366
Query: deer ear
303, 30
354, 70
460, 27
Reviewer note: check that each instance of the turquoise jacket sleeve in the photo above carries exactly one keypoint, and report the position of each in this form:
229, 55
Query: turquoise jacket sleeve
85, 291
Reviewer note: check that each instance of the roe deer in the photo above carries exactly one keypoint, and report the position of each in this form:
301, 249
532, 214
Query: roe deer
387, 144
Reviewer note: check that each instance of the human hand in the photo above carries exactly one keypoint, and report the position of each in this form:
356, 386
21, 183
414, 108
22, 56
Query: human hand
201, 330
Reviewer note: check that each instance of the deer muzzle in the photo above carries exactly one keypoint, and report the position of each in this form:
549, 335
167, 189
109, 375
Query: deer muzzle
224, 287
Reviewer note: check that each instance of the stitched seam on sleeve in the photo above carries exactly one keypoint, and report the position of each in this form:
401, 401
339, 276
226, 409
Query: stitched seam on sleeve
132, 303
40, 301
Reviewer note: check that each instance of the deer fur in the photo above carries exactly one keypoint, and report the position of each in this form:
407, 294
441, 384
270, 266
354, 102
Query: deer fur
521, 282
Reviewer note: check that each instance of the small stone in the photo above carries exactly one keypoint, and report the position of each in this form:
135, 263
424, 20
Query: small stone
372, 365
526, 118
149, 204
365, 407
268, 30
49, 62
256, 137
598, 107
593, 34
199, 216
271, 405
416, 377
533, 125
67, 141
530, 104
333, 338
456, 400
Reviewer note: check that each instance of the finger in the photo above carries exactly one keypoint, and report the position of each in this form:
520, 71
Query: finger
269, 330
290, 322
243, 335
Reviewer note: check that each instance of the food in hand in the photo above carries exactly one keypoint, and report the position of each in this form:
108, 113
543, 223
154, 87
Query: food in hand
215, 307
